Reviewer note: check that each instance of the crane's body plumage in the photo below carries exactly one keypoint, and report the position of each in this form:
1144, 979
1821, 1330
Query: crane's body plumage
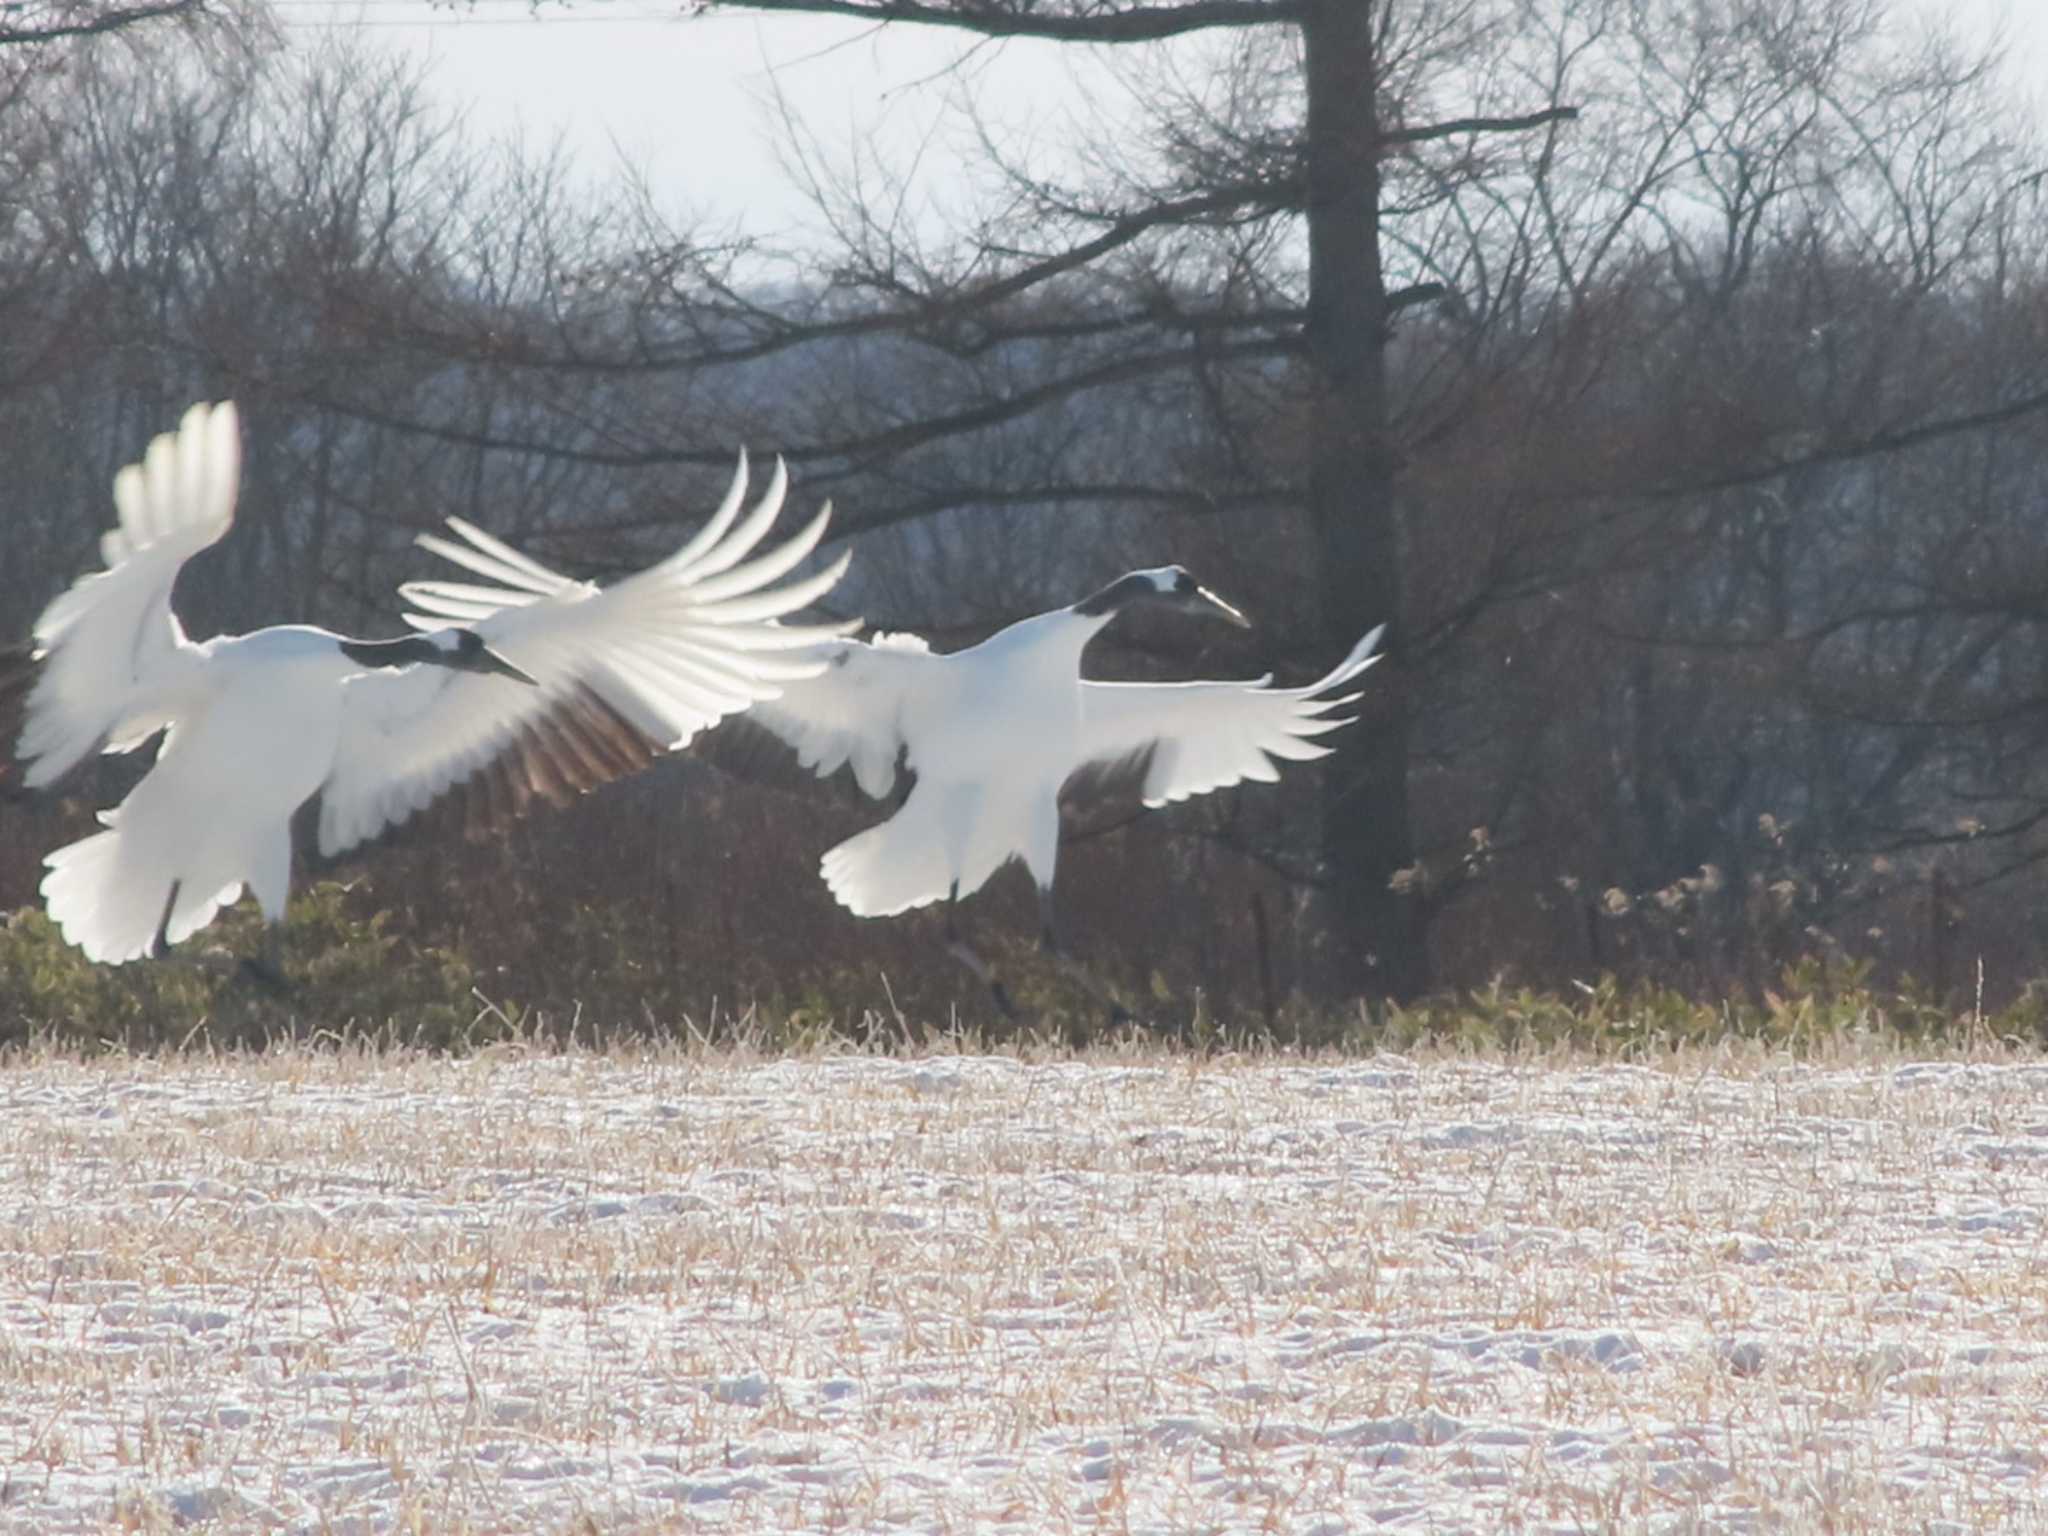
199, 820
991, 733
995, 732
591, 684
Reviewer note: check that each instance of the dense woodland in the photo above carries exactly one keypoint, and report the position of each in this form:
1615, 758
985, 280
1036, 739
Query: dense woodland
1671, 374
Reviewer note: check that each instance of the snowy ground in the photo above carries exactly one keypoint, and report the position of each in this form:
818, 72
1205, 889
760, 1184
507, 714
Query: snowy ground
589, 1294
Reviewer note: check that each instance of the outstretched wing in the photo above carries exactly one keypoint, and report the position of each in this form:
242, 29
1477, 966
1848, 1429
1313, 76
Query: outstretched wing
853, 710
108, 650
622, 673
1194, 737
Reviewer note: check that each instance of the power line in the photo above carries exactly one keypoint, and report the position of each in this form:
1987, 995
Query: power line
352, 22
349, 13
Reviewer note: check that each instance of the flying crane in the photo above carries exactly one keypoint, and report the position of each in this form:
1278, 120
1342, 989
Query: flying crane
540, 699
992, 735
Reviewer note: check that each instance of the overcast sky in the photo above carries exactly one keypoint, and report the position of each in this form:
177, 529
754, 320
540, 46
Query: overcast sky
689, 100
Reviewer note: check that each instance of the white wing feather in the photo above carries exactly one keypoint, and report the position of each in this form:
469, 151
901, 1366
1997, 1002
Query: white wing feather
110, 648
1205, 736
853, 711
623, 672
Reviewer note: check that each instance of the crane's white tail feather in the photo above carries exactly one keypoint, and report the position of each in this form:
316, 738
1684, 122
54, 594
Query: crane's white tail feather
110, 902
889, 869
108, 893
941, 836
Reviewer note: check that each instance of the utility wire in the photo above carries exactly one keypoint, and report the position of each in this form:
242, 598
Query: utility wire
352, 22
349, 14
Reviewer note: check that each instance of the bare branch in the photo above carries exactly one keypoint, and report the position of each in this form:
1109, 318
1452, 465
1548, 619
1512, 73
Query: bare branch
1458, 126
105, 21
1891, 440
865, 448
1071, 23
1414, 294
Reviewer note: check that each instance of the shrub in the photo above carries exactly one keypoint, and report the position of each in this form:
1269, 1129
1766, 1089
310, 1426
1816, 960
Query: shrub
351, 974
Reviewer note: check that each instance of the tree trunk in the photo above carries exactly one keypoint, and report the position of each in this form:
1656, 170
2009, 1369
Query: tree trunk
1374, 935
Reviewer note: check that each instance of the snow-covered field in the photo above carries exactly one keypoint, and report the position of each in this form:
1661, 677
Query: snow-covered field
583, 1293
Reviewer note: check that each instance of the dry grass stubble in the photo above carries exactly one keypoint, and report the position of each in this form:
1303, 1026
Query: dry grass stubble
670, 1292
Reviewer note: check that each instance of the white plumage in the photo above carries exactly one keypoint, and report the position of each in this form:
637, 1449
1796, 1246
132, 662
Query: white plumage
993, 733
592, 683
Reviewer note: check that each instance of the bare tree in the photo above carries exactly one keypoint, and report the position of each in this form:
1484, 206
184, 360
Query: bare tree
1238, 273
36, 23
1688, 439
1449, 314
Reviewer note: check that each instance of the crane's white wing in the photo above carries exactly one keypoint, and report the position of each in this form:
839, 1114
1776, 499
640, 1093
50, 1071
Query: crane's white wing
623, 673
1194, 737
108, 651
853, 711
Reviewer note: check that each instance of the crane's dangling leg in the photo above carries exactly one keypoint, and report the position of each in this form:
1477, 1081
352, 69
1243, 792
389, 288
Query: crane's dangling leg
958, 947
266, 966
270, 882
1049, 939
161, 944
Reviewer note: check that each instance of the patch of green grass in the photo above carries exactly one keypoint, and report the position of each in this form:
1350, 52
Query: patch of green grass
364, 972
1816, 1002
352, 973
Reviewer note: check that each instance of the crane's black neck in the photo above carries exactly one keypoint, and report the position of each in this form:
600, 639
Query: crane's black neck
407, 651
1116, 597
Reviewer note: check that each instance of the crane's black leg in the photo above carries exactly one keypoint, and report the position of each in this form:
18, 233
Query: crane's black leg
266, 967
958, 947
160, 945
1049, 937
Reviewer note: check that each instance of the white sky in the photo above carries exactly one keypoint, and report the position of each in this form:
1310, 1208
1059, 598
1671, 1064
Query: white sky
688, 100
693, 101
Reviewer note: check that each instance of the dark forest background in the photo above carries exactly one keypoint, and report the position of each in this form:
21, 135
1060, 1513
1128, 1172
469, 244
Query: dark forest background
1672, 375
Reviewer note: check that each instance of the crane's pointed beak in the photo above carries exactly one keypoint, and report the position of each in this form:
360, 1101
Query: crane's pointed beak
1220, 609
489, 660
